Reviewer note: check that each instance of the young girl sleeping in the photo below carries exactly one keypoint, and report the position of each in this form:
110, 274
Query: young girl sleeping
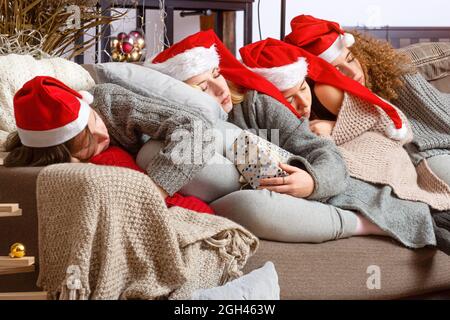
388, 73
372, 149
46, 135
56, 124
284, 209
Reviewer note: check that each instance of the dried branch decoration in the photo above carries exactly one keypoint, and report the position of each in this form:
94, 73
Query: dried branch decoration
42, 27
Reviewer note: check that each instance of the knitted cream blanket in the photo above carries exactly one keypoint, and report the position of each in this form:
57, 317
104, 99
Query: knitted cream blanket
373, 157
106, 233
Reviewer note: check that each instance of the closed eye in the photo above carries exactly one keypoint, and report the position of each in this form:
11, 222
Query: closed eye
350, 57
216, 73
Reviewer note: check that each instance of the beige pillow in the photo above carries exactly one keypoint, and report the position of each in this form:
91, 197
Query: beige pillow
16, 69
432, 59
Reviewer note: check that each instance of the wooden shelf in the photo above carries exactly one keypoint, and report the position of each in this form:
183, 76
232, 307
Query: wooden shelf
42, 295
17, 213
8, 262
14, 270
10, 210
16, 265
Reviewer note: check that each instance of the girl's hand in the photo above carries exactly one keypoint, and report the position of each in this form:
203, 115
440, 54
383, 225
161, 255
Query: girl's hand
299, 183
322, 127
74, 160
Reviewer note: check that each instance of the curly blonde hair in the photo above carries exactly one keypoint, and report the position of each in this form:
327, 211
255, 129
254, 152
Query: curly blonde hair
383, 66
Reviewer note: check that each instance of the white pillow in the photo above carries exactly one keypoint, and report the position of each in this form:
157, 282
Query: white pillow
16, 69
148, 82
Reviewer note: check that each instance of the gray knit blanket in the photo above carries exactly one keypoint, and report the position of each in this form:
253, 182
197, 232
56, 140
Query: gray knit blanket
428, 111
106, 233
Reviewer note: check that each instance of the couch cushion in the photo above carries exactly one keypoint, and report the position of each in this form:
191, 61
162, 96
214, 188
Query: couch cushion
339, 269
433, 61
331, 270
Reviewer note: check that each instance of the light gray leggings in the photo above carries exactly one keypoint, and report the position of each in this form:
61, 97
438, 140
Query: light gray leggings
440, 165
269, 215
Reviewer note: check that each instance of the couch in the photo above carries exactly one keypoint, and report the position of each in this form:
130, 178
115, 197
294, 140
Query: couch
355, 268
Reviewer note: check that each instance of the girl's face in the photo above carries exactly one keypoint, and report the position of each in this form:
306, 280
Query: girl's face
300, 98
214, 84
348, 65
100, 138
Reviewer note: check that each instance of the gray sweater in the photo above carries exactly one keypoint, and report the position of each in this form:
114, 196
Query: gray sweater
128, 116
407, 221
428, 111
318, 156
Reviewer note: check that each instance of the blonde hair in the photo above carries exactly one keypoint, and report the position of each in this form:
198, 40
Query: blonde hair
383, 66
237, 92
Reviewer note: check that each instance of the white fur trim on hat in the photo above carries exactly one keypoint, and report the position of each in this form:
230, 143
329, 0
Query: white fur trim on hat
287, 76
396, 134
341, 42
53, 137
189, 64
86, 96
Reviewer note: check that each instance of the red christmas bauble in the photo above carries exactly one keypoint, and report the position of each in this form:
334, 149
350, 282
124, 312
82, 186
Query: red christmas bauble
135, 34
121, 36
127, 44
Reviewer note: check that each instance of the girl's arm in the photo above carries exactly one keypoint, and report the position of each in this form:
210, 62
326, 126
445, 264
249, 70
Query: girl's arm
330, 97
318, 156
184, 130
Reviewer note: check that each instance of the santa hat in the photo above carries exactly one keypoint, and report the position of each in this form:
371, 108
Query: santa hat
265, 53
274, 60
49, 113
187, 62
203, 51
323, 38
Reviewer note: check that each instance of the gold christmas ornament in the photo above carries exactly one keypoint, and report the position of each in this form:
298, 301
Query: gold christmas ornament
127, 47
140, 43
135, 56
115, 55
17, 250
115, 44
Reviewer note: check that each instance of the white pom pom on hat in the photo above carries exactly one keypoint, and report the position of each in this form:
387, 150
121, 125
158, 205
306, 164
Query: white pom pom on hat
396, 134
86, 96
348, 39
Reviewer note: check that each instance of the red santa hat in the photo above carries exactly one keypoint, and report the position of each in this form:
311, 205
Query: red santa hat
49, 113
265, 53
203, 51
274, 61
325, 39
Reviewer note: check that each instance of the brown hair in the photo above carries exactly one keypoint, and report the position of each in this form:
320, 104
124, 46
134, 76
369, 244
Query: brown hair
22, 156
383, 66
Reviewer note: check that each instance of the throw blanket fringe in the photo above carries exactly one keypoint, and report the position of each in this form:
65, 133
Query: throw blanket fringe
232, 248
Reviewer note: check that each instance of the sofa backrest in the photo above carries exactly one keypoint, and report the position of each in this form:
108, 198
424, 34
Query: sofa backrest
433, 62
431, 59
